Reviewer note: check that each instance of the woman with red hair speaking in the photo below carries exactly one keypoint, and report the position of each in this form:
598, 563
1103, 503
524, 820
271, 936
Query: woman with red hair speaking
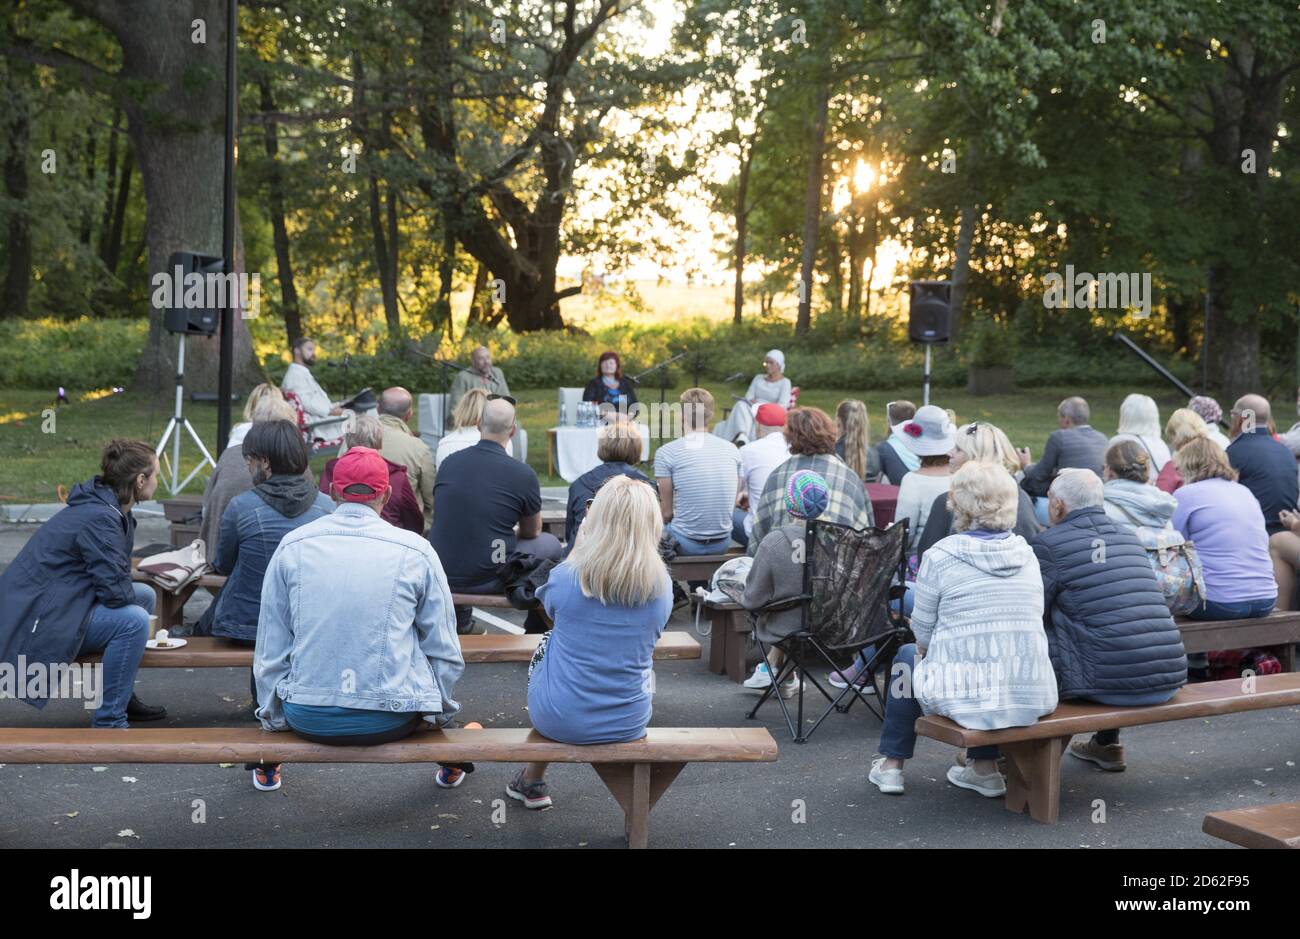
609, 386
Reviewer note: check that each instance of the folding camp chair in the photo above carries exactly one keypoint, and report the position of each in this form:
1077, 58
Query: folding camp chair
850, 578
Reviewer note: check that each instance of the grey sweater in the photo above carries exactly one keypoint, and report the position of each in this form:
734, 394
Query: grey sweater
776, 575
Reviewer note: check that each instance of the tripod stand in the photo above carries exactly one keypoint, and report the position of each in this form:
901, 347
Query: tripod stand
178, 421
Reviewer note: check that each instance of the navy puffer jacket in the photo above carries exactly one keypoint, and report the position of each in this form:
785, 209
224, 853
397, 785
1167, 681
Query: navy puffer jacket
1109, 631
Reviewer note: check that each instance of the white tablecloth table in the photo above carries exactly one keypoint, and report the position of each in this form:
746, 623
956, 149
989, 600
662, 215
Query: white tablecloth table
575, 449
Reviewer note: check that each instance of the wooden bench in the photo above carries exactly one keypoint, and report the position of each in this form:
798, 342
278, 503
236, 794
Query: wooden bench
1279, 631
553, 521
183, 512
1034, 753
699, 566
729, 640
1258, 826
636, 773
170, 607
213, 652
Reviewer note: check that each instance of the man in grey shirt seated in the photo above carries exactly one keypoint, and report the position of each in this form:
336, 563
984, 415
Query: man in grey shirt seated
1076, 445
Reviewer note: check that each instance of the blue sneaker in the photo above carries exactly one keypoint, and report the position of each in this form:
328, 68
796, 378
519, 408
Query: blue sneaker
449, 777
266, 779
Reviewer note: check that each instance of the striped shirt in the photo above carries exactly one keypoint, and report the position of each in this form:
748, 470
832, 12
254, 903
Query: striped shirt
705, 471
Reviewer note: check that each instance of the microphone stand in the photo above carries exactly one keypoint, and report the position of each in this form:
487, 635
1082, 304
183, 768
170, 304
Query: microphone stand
662, 368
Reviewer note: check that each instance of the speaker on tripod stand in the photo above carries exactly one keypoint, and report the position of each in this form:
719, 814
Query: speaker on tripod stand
187, 320
929, 317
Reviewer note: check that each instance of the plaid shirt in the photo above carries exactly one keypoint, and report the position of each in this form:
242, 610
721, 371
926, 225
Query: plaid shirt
848, 503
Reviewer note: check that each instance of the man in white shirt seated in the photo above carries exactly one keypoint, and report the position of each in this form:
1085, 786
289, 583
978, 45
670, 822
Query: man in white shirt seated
316, 404
768, 450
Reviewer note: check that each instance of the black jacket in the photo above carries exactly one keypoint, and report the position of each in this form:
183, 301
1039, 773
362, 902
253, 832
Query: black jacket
585, 487
80, 557
1109, 631
1268, 470
596, 391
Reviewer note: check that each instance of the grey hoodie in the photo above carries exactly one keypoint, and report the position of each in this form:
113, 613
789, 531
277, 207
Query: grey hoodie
1138, 504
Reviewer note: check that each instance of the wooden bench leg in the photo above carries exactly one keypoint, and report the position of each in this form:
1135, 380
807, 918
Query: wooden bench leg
637, 787
170, 607
737, 644
717, 642
1034, 777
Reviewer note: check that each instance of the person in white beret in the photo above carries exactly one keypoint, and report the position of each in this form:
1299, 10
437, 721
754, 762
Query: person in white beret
770, 387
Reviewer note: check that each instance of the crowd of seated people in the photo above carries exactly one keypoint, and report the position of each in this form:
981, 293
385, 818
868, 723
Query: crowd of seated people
371, 558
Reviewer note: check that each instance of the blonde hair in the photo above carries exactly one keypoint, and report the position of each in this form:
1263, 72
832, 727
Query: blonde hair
266, 403
855, 427
616, 553
619, 442
1201, 458
469, 409
983, 495
697, 408
1185, 425
986, 443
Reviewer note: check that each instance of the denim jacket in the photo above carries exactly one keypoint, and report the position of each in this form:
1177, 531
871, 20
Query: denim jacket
250, 531
356, 613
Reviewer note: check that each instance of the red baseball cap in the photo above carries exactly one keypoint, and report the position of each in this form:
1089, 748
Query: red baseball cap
770, 415
360, 467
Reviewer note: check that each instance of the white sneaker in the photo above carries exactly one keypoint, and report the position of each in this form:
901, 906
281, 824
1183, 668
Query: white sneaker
761, 680
790, 687
965, 777
888, 781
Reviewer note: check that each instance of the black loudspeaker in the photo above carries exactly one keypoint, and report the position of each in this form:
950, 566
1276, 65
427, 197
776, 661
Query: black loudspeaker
929, 317
180, 316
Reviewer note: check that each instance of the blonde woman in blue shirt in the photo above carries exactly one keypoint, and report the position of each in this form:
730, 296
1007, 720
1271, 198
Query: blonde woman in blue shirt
592, 678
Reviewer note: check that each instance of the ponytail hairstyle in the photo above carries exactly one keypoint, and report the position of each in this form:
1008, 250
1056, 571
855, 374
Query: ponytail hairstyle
121, 463
1127, 459
856, 431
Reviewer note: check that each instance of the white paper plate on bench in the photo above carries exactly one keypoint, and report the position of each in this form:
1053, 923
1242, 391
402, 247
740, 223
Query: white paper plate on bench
171, 644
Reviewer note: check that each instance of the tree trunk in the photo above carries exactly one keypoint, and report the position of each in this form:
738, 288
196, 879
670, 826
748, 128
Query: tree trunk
961, 267
18, 272
480, 300
812, 210
87, 217
181, 158
113, 241
446, 270
110, 184
279, 231
742, 225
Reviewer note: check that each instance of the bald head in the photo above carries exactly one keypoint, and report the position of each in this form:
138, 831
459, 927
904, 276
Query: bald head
498, 421
397, 402
1250, 412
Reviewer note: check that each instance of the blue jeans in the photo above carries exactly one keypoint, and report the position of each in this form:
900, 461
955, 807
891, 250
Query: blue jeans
738, 534
898, 736
120, 634
1238, 609
689, 546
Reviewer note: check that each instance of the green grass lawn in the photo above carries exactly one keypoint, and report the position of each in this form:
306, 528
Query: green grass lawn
34, 463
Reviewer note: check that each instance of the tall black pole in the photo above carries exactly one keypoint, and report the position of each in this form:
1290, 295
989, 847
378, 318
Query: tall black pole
226, 363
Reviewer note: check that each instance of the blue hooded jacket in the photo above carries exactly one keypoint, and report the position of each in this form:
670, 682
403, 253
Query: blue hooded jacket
80, 557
